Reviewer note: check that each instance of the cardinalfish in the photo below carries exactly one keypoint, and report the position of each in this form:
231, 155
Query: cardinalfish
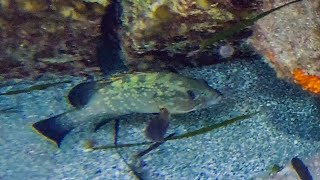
157, 92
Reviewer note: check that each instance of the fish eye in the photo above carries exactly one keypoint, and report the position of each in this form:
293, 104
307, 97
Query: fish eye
192, 94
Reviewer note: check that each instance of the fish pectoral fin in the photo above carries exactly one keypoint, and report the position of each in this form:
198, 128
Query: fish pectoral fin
52, 130
158, 126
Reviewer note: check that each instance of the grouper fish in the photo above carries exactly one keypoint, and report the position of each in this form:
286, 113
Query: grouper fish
125, 94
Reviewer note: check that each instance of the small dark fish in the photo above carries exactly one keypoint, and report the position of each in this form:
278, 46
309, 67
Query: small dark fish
158, 126
301, 169
109, 53
297, 169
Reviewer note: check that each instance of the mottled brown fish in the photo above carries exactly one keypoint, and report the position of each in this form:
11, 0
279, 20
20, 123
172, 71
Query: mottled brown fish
125, 94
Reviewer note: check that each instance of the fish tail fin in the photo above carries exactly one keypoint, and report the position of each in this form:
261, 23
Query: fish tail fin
53, 129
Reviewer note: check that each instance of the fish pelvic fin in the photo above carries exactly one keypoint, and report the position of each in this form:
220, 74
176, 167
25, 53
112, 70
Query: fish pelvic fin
158, 126
52, 129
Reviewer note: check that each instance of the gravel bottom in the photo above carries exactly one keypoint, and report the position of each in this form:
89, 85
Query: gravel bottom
286, 126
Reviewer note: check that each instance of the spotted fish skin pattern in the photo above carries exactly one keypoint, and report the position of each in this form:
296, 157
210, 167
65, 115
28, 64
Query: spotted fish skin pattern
149, 92
129, 93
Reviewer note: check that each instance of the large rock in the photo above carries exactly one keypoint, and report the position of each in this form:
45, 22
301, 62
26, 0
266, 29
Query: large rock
158, 34
62, 37
40, 36
290, 40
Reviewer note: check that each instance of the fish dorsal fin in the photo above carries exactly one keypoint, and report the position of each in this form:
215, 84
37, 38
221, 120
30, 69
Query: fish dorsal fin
81, 94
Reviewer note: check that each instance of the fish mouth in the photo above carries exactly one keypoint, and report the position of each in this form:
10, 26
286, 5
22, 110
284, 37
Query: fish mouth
212, 101
206, 104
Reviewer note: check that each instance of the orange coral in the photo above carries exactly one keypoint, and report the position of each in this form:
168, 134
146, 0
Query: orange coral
308, 82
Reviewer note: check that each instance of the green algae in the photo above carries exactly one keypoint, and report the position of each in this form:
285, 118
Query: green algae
14, 109
275, 169
34, 88
237, 28
212, 127
152, 147
182, 136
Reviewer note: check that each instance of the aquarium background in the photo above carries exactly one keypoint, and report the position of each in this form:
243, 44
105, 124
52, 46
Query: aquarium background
262, 69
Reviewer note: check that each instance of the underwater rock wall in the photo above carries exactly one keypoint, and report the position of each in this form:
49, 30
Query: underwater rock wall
290, 40
161, 33
43, 36
61, 37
